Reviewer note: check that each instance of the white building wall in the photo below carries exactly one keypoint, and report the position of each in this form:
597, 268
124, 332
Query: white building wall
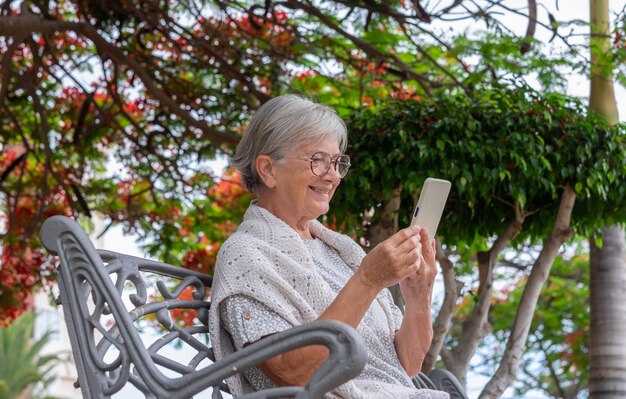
50, 318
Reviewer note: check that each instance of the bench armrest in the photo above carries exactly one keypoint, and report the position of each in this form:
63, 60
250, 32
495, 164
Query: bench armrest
346, 359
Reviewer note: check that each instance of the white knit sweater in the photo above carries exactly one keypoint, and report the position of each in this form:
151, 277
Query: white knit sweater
267, 260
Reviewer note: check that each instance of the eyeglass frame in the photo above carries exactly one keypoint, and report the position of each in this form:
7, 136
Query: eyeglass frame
328, 160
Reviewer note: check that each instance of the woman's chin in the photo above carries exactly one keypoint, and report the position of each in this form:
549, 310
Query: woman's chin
320, 208
324, 209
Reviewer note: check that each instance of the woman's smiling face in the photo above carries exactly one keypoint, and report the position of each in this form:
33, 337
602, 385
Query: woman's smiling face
298, 195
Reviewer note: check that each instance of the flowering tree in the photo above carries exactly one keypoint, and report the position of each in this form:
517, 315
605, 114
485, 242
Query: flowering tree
160, 88
118, 107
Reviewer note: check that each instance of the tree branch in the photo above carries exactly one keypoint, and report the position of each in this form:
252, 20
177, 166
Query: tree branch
476, 326
532, 24
452, 291
538, 275
17, 25
369, 49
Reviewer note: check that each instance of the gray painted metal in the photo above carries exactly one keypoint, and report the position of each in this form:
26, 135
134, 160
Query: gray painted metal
104, 323
443, 380
106, 341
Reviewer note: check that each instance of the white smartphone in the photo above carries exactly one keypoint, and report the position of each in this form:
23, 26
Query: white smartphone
430, 204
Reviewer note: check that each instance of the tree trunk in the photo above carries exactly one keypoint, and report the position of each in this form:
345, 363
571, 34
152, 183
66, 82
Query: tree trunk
602, 96
476, 326
516, 343
607, 348
452, 291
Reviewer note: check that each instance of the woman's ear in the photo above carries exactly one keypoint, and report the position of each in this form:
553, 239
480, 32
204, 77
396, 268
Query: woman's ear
265, 168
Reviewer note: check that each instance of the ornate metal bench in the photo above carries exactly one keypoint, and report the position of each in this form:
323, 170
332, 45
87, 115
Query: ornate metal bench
109, 298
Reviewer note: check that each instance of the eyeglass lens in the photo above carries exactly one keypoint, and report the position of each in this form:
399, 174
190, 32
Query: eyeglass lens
320, 164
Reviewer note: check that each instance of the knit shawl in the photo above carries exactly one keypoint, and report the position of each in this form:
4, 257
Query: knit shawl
266, 259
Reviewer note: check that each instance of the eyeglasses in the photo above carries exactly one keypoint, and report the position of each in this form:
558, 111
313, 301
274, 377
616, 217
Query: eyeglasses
320, 163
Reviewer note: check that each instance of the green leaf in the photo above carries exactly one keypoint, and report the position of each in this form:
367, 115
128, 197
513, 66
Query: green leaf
578, 187
598, 240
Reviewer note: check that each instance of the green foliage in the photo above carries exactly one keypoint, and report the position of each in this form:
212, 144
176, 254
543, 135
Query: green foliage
21, 365
557, 357
191, 233
499, 147
497, 59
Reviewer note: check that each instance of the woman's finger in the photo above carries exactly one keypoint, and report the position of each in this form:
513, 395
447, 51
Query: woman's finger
403, 235
410, 243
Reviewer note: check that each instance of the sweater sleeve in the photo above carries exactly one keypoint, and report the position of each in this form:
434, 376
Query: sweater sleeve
247, 320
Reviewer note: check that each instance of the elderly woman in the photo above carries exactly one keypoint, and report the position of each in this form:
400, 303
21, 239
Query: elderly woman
283, 268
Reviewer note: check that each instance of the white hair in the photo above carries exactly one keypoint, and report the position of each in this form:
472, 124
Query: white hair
281, 124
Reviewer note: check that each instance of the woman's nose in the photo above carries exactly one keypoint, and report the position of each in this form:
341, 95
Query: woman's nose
333, 171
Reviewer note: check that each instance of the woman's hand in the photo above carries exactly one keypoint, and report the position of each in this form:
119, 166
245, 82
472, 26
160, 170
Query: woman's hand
415, 335
419, 285
393, 260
